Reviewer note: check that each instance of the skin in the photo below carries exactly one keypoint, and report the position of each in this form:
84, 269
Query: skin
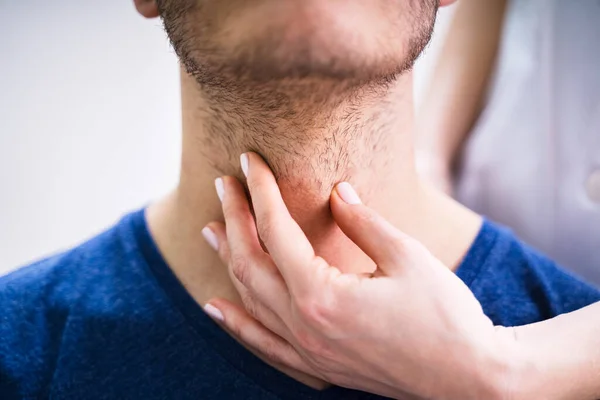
354, 331
335, 319
335, 115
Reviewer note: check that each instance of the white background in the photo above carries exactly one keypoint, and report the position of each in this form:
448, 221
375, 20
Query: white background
89, 119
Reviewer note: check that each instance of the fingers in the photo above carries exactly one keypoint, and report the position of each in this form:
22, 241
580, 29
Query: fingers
241, 230
284, 239
256, 336
256, 274
379, 239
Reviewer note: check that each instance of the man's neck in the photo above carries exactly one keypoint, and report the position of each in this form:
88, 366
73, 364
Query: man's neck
313, 135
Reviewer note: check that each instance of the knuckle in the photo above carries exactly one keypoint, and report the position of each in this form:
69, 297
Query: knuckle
265, 226
308, 342
230, 209
257, 183
365, 217
240, 267
319, 263
224, 251
321, 353
249, 304
317, 310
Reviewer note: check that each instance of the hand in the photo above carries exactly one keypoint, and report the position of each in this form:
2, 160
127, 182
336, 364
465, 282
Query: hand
412, 328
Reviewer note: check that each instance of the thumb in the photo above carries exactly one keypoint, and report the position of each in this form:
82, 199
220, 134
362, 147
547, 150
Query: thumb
380, 240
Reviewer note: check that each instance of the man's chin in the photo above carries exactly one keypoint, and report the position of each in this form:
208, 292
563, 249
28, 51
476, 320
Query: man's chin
313, 45
278, 59
233, 41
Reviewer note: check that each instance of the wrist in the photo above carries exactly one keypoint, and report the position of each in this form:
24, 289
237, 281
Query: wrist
484, 369
517, 376
503, 372
497, 376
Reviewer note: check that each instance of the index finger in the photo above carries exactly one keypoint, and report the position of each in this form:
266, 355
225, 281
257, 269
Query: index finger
284, 239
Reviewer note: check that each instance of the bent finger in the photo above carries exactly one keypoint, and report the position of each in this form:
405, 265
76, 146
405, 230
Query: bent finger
240, 226
284, 239
253, 276
256, 336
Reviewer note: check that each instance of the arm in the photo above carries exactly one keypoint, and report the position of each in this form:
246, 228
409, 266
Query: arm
560, 357
455, 96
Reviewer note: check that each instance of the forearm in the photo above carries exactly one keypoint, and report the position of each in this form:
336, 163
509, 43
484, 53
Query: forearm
560, 357
457, 88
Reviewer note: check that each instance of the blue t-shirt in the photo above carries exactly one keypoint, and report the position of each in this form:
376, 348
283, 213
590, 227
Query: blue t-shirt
109, 320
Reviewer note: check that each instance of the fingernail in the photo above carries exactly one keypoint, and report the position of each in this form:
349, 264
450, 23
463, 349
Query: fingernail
214, 312
210, 238
220, 188
244, 163
347, 193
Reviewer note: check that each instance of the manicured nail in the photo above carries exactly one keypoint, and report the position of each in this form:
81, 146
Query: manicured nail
210, 238
214, 312
244, 163
220, 188
347, 193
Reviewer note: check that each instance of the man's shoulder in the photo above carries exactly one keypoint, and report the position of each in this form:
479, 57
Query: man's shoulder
57, 276
38, 300
516, 284
107, 320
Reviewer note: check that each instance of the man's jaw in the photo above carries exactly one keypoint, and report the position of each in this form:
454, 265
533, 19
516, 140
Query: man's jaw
312, 132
